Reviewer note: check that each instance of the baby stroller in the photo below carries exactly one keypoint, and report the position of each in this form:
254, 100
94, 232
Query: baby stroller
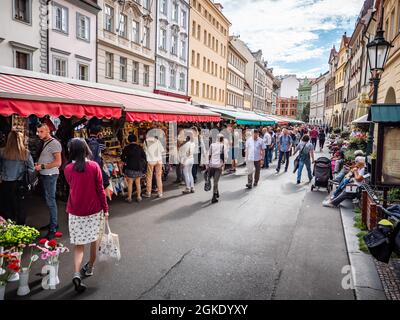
322, 174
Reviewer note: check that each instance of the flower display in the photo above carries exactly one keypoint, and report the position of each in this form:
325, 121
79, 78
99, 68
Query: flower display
13, 235
11, 264
51, 249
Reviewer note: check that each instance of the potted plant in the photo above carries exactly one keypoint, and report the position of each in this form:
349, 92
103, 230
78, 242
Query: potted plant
23, 288
50, 253
11, 265
14, 238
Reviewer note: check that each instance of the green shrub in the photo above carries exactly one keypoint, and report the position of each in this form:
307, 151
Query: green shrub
361, 243
394, 195
345, 135
358, 144
349, 154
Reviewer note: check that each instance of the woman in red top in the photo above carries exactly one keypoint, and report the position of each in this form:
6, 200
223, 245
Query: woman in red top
87, 207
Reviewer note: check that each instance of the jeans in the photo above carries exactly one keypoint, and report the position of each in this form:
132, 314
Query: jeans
12, 202
267, 157
194, 172
149, 177
343, 196
276, 150
270, 153
314, 142
321, 144
341, 186
282, 154
257, 168
340, 176
49, 188
216, 174
187, 173
307, 163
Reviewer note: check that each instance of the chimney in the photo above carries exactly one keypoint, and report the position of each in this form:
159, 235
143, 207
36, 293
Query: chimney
219, 6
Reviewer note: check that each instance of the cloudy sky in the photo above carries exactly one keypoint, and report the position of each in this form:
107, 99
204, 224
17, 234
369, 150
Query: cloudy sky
295, 35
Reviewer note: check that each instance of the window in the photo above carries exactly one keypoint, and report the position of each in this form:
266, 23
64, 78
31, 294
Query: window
135, 31
183, 49
163, 39
174, 46
192, 87
122, 31
205, 37
146, 75
22, 10
193, 57
183, 19
109, 65
172, 80
198, 61
23, 60
60, 18
163, 6
59, 66
204, 63
83, 72
146, 4
162, 76
123, 66
146, 37
392, 25
175, 10
109, 18
83, 27
194, 29
182, 82
198, 32
197, 88
135, 72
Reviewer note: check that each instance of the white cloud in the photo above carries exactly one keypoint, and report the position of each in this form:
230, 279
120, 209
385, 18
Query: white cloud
287, 30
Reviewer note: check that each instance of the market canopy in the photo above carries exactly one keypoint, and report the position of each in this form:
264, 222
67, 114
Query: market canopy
384, 113
42, 95
27, 95
244, 117
361, 120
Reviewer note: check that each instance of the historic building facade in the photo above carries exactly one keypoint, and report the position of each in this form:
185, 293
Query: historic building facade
317, 99
303, 97
286, 107
172, 35
330, 88
126, 42
235, 78
208, 53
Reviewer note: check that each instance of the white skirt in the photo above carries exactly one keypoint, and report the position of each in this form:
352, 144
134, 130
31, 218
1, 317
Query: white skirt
85, 229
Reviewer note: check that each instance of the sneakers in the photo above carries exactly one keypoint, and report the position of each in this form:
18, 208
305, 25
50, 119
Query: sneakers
147, 195
138, 199
249, 186
87, 270
298, 182
328, 203
186, 191
214, 199
77, 281
160, 195
192, 190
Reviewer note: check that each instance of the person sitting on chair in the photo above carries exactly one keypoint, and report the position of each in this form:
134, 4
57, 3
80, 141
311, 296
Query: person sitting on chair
357, 173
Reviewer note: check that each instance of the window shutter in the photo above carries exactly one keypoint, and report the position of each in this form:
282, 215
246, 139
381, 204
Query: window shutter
87, 28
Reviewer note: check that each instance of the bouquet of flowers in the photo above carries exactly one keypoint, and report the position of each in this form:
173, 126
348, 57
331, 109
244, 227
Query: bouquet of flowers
11, 265
51, 249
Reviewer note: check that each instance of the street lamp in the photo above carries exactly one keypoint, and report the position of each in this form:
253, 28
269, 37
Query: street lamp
378, 50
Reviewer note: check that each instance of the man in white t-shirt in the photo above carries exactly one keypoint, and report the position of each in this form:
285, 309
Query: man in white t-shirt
255, 153
218, 154
267, 138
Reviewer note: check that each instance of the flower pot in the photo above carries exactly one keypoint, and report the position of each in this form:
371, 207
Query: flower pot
51, 267
14, 277
2, 290
23, 288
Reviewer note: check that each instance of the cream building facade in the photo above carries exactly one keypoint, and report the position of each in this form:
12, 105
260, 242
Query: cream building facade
236, 78
269, 90
389, 87
126, 42
208, 53
339, 82
317, 100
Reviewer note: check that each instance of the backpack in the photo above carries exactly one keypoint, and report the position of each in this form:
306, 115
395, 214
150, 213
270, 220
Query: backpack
94, 147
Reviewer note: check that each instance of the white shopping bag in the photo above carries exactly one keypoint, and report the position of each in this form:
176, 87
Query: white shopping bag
109, 245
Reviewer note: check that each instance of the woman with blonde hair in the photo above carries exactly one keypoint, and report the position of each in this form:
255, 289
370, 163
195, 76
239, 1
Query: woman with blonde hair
15, 159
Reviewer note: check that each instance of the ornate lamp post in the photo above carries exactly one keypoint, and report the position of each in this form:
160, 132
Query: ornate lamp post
378, 50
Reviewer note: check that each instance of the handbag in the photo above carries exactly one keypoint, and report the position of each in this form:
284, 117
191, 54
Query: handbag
27, 181
297, 160
109, 245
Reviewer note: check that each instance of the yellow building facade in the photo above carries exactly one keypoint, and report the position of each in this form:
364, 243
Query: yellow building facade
208, 53
389, 86
337, 115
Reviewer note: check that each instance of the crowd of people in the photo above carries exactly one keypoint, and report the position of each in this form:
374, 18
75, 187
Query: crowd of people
144, 163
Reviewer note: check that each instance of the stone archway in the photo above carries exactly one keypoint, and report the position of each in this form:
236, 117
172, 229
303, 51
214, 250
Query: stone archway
390, 96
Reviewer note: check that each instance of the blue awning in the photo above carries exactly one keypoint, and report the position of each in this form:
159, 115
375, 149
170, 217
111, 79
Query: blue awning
244, 117
384, 113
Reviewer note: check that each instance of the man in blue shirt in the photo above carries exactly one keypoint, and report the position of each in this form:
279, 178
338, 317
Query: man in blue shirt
285, 142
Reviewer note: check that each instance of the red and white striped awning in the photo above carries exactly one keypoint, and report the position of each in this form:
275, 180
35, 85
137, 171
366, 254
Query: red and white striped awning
26, 95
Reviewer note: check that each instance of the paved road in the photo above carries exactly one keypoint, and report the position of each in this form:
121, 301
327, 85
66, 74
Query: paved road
275, 241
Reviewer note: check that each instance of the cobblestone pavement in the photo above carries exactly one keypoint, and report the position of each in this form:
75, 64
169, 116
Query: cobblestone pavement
390, 277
